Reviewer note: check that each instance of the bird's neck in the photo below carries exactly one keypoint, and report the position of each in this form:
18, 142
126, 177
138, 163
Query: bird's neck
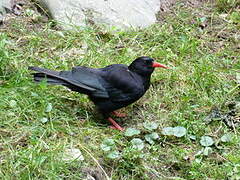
146, 82
144, 79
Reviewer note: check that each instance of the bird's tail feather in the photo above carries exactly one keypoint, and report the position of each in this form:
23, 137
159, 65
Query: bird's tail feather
60, 78
49, 76
39, 77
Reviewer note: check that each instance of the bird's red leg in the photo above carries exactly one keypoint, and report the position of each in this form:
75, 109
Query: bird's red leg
115, 125
118, 114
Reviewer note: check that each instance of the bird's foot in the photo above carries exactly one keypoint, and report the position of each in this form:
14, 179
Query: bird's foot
115, 125
118, 114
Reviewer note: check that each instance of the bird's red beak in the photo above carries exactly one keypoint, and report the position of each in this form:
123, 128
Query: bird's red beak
155, 64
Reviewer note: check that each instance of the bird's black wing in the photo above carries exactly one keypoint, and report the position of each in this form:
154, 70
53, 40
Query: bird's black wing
88, 77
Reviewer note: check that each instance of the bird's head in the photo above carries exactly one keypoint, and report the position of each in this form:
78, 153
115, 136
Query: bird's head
145, 65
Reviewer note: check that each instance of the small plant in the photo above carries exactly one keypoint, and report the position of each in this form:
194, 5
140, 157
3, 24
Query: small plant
206, 141
150, 126
150, 138
131, 132
174, 131
136, 142
226, 138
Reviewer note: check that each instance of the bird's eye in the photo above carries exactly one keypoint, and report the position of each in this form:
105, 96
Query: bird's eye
148, 62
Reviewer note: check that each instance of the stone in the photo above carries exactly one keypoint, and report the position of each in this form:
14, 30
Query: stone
5, 7
122, 14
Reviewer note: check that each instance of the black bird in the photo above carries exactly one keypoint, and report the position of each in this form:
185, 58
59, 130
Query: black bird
110, 88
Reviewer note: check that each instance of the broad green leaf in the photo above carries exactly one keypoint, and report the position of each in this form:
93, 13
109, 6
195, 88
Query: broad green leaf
49, 107
192, 137
179, 131
207, 151
113, 155
131, 132
206, 141
137, 143
151, 137
107, 144
168, 131
105, 147
150, 125
44, 120
226, 138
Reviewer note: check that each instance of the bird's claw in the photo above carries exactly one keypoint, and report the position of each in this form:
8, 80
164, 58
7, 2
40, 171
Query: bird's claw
115, 125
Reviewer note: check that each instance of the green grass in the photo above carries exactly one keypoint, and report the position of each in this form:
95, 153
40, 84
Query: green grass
203, 51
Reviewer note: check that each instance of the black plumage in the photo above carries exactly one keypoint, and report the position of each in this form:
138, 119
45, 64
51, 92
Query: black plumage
110, 88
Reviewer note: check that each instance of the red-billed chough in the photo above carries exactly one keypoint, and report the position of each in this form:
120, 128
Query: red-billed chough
110, 88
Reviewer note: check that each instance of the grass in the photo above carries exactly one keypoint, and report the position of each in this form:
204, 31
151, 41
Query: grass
200, 45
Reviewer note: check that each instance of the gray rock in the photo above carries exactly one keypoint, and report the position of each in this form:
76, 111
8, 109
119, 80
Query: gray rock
5, 6
122, 14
